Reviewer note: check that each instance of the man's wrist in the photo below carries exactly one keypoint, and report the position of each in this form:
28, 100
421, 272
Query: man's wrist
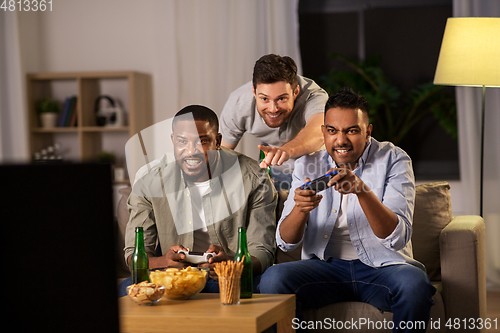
360, 188
288, 150
157, 262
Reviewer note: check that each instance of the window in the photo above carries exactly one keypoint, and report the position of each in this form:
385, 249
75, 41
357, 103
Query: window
406, 35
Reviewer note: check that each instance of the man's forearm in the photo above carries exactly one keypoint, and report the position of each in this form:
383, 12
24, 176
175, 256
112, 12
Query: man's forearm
382, 220
308, 140
292, 227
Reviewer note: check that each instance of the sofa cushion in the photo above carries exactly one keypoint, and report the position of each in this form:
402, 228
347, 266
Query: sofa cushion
432, 213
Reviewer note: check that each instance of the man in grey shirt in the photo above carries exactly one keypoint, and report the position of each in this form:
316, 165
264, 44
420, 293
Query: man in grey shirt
199, 201
284, 110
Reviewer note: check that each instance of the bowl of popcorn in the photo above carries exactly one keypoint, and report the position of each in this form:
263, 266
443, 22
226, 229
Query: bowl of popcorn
145, 293
180, 283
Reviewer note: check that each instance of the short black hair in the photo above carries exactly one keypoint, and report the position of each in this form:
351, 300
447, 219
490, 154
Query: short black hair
346, 98
198, 112
273, 68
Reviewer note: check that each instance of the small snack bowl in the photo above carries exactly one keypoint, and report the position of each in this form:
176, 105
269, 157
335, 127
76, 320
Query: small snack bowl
145, 293
180, 283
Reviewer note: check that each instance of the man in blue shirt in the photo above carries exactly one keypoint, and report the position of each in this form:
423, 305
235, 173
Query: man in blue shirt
355, 234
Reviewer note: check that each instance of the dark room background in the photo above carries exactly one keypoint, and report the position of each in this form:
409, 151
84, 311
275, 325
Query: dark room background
406, 36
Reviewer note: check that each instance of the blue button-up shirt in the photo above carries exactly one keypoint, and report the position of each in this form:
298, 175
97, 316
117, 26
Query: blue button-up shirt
387, 171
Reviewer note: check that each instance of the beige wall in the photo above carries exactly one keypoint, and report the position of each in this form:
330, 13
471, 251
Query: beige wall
95, 35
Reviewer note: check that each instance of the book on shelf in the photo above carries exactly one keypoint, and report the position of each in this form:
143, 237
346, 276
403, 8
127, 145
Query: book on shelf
71, 111
68, 116
64, 113
73, 117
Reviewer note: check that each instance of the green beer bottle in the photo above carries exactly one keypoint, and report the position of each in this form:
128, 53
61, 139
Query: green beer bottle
261, 158
139, 262
246, 282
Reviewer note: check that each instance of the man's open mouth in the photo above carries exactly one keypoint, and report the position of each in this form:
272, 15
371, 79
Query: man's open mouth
193, 162
273, 116
342, 151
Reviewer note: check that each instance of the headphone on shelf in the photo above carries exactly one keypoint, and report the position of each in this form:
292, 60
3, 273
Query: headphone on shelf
108, 116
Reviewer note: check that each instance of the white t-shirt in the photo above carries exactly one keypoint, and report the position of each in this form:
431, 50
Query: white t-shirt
201, 237
339, 245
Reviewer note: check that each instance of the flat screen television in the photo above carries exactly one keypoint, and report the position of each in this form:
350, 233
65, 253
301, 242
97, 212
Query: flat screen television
58, 248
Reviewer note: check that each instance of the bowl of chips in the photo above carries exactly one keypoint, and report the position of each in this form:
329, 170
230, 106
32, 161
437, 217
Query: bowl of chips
180, 283
145, 293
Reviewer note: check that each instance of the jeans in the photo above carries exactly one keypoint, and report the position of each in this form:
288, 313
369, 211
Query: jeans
404, 290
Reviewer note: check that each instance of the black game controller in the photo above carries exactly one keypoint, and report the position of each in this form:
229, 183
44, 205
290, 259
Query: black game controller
196, 257
319, 184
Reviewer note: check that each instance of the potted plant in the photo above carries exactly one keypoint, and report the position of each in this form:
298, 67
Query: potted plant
48, 108
393, 112
106, 157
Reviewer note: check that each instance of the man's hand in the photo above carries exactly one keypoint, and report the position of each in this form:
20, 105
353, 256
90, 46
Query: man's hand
172, 258
346, 182
306, 200
274, 156
169, 259
220, 255
292, 227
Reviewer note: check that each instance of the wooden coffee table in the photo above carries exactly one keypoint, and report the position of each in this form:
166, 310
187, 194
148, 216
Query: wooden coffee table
204, 313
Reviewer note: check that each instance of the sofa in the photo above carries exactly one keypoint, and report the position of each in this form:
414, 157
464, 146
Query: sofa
451, 248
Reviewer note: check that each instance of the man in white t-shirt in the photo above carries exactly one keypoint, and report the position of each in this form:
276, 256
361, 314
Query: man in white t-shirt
284, 110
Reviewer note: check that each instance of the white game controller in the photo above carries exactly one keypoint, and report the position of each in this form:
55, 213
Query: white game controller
196, 257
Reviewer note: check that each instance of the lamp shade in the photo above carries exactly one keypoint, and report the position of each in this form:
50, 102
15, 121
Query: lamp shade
470, 53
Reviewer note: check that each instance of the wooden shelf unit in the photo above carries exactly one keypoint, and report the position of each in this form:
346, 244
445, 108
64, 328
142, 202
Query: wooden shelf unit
131, 90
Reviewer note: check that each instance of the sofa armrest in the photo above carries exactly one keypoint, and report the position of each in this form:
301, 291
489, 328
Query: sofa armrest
462, 249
